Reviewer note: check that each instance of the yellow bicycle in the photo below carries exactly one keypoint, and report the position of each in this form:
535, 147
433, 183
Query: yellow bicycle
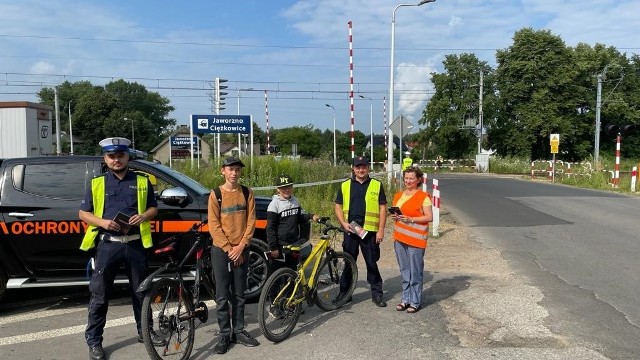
326, 278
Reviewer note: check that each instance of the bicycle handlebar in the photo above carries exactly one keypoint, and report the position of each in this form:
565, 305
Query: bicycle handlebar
329, 226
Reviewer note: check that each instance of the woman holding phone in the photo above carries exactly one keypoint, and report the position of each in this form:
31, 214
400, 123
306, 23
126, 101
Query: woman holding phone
410, 230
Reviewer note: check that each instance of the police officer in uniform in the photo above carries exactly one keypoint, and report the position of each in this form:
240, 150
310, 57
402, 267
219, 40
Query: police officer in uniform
118, 208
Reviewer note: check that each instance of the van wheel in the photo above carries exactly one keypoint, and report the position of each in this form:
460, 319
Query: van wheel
258, 268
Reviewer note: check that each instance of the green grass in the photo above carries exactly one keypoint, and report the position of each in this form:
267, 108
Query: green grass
581, 175
317, 199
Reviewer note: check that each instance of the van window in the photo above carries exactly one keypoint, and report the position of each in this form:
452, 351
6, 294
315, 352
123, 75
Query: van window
57, 180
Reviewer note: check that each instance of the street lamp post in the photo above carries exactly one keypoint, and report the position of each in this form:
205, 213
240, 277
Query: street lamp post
133, 134
391, 85
70, 131
371, 127
335, 157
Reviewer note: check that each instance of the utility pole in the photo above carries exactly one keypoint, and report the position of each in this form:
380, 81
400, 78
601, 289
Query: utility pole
596, 149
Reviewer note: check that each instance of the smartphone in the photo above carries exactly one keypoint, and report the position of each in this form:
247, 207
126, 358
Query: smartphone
395, 210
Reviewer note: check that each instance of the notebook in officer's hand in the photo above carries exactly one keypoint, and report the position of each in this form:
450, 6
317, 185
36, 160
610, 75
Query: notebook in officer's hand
123, 220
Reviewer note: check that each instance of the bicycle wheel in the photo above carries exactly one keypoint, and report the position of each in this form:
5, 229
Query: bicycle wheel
276, 319
258, 269
338, 267
164, 311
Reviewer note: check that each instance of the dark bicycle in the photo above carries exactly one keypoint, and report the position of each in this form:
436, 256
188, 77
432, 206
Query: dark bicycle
171, 305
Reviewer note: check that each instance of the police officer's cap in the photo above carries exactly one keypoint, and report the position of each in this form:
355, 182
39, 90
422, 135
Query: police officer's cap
115, 144
360, 160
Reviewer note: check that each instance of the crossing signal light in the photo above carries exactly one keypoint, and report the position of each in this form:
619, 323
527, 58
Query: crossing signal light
612, 130
628, 129
220, 95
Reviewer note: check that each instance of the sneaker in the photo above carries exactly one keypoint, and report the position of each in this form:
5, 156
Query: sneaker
96, 352
155, 339
379, 301
245, 339
223, 345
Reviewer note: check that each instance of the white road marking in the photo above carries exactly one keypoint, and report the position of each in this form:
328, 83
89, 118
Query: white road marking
23, 338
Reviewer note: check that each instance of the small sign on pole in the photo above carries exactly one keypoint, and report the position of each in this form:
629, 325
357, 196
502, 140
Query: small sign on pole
554, 140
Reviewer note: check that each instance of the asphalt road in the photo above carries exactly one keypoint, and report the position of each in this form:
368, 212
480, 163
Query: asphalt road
579, 247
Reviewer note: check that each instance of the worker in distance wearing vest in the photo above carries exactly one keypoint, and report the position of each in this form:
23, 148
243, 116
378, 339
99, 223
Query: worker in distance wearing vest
361, 202
117, 207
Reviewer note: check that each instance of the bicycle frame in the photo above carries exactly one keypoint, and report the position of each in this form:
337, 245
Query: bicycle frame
315, 258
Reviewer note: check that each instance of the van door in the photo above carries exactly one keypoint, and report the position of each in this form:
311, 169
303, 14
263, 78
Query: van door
41, 215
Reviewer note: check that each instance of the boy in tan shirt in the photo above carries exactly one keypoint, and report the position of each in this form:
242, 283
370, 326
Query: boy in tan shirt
232, 221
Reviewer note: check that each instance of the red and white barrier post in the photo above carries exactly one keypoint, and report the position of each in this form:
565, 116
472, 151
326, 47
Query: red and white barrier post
425, 178
634, 175
616, 176
435, 208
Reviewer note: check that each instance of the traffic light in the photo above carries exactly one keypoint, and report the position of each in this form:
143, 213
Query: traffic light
628, 129
612, 130
220, 94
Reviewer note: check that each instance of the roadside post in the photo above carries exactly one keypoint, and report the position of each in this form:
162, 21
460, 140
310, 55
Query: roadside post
555, 144
435, 207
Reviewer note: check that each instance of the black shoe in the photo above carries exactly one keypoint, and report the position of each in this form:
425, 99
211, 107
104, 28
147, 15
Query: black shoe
155, 339
96, 352
378, 301
223, 345
245, 339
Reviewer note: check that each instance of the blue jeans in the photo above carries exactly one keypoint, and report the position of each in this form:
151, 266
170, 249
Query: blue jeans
411, 263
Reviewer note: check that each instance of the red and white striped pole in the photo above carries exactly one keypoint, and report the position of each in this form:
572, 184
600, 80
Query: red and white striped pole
425, 178
616, 174
353, 146
266, 115
435, 208
634, 175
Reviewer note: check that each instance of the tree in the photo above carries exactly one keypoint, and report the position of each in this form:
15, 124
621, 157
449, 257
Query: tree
99, 112
536, 82
456, 100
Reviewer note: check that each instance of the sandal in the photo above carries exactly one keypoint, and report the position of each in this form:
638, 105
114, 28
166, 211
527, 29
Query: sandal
402, 307
412, 309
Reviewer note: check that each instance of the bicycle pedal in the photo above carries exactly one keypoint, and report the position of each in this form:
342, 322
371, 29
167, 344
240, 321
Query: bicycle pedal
202, 312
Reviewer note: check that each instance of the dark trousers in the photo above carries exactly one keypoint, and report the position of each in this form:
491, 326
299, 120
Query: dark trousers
230, 286
352, 245
110, 256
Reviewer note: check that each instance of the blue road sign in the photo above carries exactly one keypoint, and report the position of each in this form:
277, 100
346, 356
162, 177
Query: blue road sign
223, 124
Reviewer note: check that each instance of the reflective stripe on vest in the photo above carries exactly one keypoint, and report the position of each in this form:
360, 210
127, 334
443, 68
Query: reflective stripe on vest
98, 192
412, 234
372, 205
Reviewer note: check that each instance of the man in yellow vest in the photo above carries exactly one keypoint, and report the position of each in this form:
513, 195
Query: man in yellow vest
117, 209
361, 202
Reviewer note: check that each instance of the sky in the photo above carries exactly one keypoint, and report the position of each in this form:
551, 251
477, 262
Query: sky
295, 50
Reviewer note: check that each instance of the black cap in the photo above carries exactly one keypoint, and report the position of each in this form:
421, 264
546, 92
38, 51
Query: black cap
283, 180
360, 160
232, 161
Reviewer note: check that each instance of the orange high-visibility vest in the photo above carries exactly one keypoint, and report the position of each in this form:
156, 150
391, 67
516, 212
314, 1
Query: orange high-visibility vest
412, 234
